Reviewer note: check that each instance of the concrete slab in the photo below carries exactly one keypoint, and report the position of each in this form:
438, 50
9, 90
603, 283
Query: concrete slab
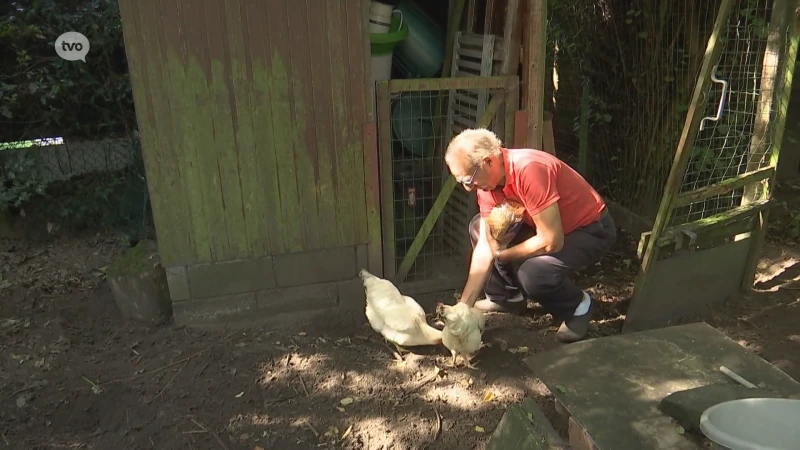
612, 386
525, 427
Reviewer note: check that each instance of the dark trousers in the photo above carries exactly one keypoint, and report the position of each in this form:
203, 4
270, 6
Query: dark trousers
546, 278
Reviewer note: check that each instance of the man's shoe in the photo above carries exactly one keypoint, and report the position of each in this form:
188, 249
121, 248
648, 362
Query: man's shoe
574, 328
518, 307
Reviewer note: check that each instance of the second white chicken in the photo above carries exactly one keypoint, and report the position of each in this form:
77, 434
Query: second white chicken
399, 318
463, 330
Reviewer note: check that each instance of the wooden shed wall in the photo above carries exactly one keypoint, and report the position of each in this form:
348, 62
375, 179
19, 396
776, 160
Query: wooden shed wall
251, 116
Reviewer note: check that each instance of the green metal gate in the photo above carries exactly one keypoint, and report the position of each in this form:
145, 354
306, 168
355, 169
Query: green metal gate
708, 234
424, 218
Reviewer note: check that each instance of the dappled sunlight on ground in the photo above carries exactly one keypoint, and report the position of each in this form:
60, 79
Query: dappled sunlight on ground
76, 375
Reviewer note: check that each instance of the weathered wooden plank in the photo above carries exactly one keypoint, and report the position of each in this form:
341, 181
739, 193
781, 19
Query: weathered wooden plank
334, 14
443, 84
535, 65
323, 123
369, 86
303, 129
184, 104
465, 97
173, 55
783, 95
227, 152
204, 180
717, 221
463, 51
511, 38
168, 69
758, 154
358, 112
153, 144
253, 191
723, 187
372, 188
387, 187
466, 64
282, 118
261, 108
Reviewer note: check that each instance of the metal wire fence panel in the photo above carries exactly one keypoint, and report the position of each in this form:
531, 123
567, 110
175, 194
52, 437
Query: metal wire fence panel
736, 131
640, 66
416, 125
76, 183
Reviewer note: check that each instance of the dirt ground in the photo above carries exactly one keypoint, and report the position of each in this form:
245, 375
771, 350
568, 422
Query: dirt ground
75, 374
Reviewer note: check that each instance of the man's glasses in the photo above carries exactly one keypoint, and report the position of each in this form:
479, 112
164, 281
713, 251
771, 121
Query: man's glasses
471, 181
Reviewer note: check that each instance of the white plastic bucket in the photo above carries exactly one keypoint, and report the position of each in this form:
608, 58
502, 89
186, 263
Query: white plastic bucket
382, 67
753, 424
380, 17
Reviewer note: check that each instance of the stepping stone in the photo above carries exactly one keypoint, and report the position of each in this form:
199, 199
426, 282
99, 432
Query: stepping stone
525, 427
611, 387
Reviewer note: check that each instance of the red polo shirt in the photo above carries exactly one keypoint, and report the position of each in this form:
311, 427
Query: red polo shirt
537, 180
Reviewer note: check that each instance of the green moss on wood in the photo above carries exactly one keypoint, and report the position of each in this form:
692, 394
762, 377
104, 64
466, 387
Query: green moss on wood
133, 261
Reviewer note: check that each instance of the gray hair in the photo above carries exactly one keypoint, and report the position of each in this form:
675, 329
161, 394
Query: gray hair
475, 145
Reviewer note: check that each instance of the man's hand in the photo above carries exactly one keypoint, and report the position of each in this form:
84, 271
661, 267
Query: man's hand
480, 266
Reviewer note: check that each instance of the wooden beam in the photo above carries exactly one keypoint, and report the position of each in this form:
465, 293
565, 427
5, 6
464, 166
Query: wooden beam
535, 43
760, 142
548, 140
384, 100
453, 25
704, 225
510, 38
788, 18
723, 187
488, 17
443, 84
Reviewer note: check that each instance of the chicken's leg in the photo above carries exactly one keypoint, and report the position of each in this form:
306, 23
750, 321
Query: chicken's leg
453, 353
468, 363
398, 355
400, 350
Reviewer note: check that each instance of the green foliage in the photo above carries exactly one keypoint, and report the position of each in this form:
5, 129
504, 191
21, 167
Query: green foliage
18, 182
42, 95
794, 226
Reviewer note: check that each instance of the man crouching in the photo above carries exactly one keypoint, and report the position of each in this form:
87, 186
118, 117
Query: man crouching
565, 227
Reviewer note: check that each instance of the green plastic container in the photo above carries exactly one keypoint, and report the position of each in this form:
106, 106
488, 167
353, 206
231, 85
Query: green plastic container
382, 46
384, 43
421, 55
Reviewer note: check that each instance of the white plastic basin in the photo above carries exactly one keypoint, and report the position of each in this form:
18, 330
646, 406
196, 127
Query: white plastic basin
754, 424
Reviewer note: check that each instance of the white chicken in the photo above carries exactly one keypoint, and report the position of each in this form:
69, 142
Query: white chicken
463, 330
399, 318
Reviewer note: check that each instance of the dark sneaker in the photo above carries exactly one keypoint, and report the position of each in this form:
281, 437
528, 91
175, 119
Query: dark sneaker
518, 307
575, 328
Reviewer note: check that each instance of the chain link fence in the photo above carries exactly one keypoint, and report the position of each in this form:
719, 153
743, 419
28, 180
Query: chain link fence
70, 157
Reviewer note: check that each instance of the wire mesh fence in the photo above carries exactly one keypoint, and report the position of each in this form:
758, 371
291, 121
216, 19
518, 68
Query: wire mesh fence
738, 121
420, 124
78, 183
69, 151
639, 66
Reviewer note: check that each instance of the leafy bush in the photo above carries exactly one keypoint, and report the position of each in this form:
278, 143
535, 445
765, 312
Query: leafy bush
42, 95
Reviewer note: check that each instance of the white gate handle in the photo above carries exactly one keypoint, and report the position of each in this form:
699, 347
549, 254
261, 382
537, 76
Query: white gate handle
721, 99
